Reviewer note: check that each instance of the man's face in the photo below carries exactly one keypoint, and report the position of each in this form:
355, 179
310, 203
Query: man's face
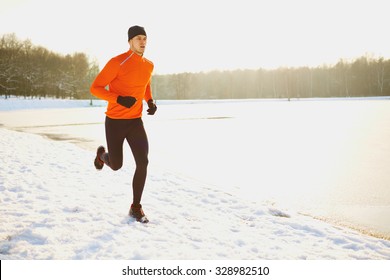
138, 44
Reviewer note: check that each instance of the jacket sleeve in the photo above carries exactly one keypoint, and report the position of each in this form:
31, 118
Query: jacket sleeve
104, 78
148, 93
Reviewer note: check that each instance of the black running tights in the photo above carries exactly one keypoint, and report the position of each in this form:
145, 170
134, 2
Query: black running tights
117, 130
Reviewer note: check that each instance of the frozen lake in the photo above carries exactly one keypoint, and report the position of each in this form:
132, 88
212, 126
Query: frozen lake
327, 158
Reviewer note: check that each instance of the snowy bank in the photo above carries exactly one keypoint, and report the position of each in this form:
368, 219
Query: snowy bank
55, 205
14, 103
20, 103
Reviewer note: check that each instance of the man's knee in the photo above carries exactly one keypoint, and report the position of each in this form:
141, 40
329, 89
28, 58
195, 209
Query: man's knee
116, 167
114, 162
143, 162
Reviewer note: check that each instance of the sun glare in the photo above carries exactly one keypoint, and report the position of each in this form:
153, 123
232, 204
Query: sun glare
232, 34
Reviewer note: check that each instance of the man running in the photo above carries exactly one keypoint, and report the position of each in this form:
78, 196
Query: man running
128, 78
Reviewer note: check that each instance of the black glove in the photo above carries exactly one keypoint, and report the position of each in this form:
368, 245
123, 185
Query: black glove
126, 101
152, 107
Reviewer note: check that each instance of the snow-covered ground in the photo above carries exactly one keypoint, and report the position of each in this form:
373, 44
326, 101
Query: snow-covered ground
55, 205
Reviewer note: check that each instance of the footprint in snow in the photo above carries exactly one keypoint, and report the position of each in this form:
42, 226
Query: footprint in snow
278, 213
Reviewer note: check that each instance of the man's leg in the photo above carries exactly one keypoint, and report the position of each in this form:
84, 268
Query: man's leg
115, 135
139, 145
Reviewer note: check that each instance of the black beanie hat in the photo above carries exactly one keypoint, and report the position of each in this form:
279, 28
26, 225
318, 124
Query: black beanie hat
134, 31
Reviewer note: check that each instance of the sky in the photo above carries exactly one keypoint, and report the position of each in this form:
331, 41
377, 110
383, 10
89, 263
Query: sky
205, 35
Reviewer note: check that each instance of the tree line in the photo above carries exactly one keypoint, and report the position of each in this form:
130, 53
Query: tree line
365, 76
33, 71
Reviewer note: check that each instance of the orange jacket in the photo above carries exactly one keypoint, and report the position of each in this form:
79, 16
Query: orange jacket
127, 74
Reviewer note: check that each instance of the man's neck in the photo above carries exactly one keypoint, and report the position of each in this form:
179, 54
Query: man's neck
137, 53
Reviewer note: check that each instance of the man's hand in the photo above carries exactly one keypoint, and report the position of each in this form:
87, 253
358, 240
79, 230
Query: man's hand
152, 107
126, 101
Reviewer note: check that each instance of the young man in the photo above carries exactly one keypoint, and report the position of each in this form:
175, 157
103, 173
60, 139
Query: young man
128, 77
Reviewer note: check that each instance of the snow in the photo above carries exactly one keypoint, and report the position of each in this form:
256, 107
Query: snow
14, 103
55, 205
